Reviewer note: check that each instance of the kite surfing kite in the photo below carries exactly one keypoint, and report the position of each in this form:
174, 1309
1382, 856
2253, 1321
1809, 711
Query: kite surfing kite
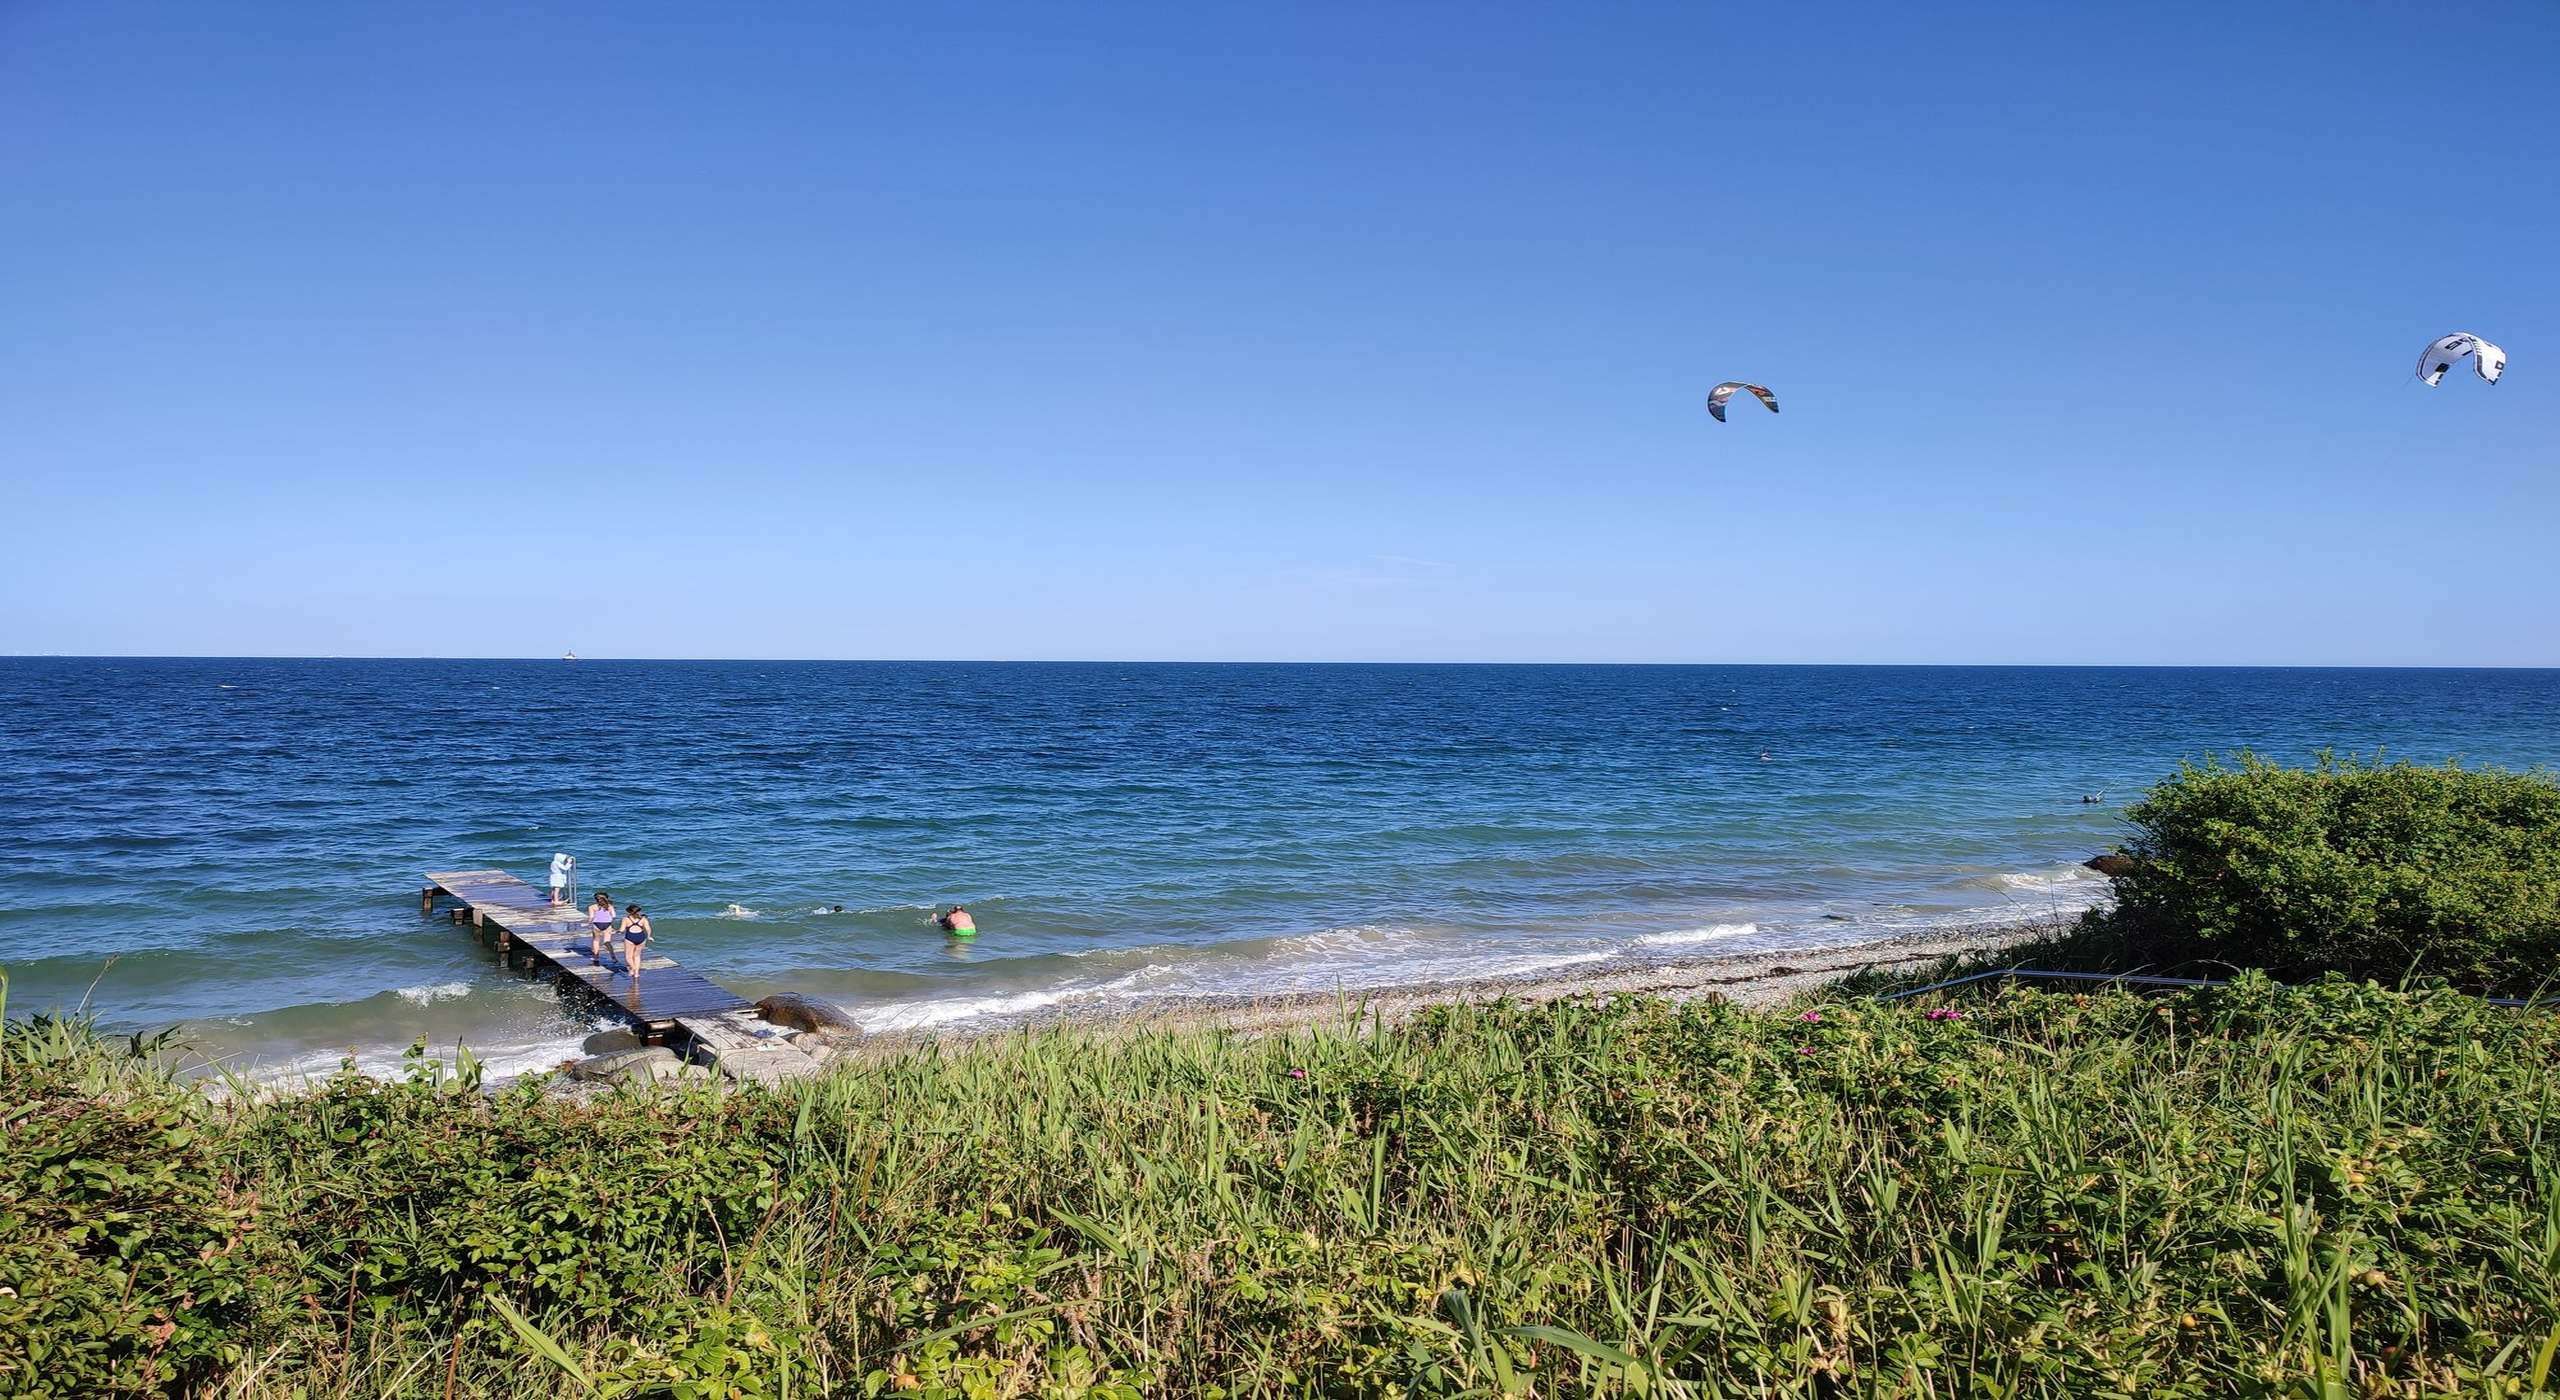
1722, 394
2449, 350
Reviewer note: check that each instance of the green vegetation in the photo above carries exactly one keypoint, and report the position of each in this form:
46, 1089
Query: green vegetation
2375, 871
2257, 1191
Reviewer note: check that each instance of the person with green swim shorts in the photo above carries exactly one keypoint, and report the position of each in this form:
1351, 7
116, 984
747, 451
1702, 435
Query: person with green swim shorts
958, 923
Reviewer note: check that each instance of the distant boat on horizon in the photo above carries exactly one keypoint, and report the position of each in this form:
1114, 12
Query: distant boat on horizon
569, 656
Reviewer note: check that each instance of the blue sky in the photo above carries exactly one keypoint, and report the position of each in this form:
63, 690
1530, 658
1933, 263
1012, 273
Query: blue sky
1279, 332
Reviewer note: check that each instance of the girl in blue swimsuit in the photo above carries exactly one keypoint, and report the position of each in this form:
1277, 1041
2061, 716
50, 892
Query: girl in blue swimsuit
635, 939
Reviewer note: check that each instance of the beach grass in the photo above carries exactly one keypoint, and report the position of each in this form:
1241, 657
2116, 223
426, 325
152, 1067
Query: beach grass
2327, 1191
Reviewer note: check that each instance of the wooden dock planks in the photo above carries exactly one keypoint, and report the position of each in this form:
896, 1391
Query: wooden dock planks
555, 938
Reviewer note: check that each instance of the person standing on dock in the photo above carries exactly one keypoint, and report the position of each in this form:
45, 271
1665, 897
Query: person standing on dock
600, 920
564, 868
635, 940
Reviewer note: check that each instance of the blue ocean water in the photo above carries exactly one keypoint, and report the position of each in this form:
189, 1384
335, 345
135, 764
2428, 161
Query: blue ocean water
237, 844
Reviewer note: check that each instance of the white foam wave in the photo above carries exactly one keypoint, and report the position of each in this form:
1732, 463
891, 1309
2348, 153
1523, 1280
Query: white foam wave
1348, 938
2070, 877
430, 994
918, 1015
739, 911
498, 1064
1683, 937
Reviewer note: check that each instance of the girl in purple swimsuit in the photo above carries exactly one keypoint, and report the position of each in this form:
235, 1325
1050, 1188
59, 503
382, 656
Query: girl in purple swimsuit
600, 921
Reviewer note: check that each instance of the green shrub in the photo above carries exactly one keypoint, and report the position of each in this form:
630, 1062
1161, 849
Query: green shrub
2257, 1190
123, 1259
2372, 870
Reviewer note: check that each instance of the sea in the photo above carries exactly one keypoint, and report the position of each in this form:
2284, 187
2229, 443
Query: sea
235, 847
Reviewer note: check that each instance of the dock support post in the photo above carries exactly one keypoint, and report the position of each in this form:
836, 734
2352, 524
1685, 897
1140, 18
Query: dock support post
427, 900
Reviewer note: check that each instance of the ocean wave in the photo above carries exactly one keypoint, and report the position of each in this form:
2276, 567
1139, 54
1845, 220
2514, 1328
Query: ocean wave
920, 1015
429, 994
2069, 877
498, 1063
1345, 938
2073, 880
738, 911
1683, 937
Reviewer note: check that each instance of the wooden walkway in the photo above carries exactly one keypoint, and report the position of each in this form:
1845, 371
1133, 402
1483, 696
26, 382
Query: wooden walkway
533, 931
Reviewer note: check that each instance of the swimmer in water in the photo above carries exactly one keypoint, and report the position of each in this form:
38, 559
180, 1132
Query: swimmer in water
958, 923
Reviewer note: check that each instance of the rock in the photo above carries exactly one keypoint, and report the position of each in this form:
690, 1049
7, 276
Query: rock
805, 1014
765, 1064
664, 1072
2112, 864
612, 1042
624, 1066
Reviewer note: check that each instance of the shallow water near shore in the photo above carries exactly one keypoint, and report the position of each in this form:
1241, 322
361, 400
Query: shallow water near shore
245, 838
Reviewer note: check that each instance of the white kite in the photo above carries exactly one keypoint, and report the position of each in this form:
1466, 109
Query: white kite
2449, 350
1722, 394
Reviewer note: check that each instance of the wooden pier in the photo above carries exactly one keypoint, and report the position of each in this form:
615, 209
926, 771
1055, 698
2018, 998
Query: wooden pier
666, 1002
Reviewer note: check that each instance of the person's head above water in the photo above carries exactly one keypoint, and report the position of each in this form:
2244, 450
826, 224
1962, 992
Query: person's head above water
603, 898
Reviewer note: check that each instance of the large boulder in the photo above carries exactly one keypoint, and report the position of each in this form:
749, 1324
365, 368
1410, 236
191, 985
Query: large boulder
623, 1066
613, 1042
807, 1014
2111, 864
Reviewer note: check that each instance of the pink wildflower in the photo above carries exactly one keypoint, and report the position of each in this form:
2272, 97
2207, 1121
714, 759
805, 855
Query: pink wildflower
1804, 1049
1810, 1016
1297, 1074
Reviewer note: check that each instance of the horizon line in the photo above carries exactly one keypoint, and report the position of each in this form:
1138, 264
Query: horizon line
1233, 661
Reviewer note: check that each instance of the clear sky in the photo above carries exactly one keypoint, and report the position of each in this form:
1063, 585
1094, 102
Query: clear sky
1289, 331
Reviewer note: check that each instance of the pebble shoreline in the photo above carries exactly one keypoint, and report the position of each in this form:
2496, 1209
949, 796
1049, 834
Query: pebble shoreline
1751, 979
1759, 978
